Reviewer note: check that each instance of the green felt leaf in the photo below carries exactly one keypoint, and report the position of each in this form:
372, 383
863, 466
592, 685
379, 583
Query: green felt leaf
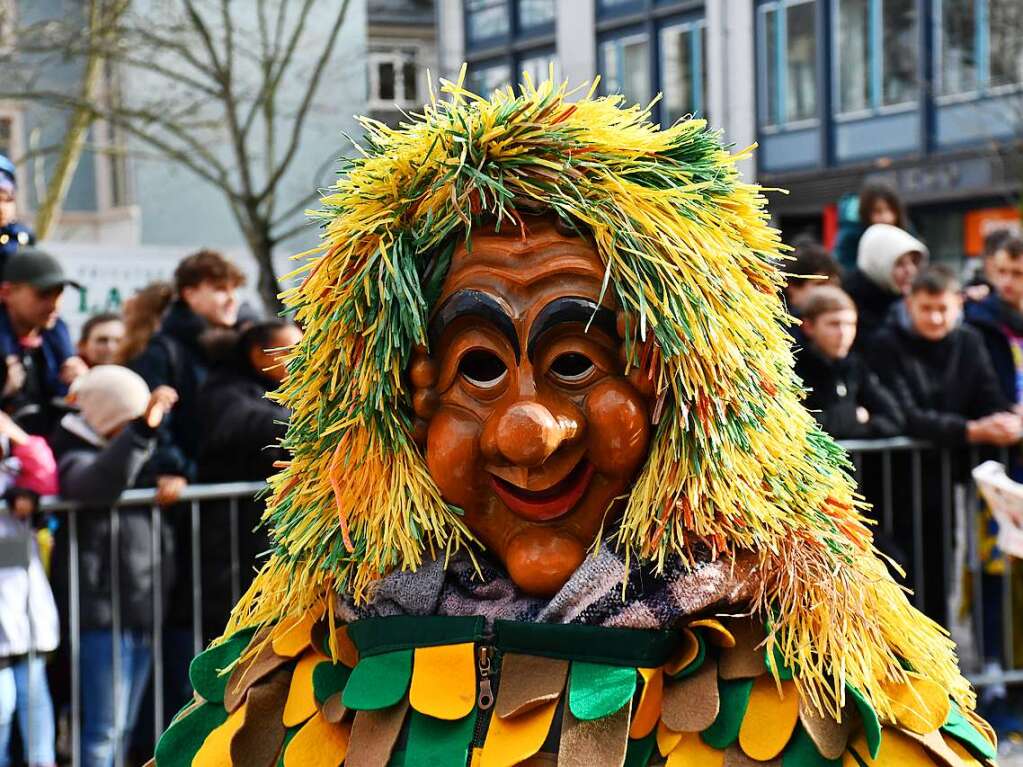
697, 662
959, 727
801, 752
205, 670
639, 751
734, 694
596, 690
439, 742
185, 737
329, 678
871, 725
378, 681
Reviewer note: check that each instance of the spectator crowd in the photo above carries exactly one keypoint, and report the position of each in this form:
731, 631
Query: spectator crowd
172, 391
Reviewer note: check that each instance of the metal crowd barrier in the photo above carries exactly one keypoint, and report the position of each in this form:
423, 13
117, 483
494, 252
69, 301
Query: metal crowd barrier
898, 472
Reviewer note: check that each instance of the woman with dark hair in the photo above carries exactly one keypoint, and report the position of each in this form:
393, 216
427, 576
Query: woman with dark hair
878, 203
242, 431
143, 312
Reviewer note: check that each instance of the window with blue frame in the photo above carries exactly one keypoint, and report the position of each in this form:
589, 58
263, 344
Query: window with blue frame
625, 64
535, 14
486, 77
980, 46
787, 34
876, 54
486, 20
682, 58
538, 64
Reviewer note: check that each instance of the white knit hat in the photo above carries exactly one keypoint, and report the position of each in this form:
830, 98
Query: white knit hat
880, 247
109, 396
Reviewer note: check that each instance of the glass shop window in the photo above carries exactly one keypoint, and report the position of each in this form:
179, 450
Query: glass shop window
788, 61
486, 78
535, 13
981, 45
683, 70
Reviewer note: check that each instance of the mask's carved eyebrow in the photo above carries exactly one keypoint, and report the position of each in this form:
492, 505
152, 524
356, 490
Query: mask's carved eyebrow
570, 309
473, 303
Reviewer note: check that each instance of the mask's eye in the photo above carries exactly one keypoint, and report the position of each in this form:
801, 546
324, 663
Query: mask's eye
482, 368
571, 367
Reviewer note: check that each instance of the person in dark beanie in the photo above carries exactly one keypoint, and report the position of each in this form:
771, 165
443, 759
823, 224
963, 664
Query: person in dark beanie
101, 451
845, 396
34, 341
13, 234
241, 444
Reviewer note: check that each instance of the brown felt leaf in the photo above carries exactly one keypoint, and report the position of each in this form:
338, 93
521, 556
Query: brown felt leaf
247, 674
734, 757
528, 681
746, 658
333, 709
691, 704
939, 749
600, 741
830, 737
374, 734
258, 742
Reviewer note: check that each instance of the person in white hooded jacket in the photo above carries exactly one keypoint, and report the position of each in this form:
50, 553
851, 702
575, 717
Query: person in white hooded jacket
28, 620
887, 260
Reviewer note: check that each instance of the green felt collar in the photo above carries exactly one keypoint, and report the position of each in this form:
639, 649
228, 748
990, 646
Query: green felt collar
592, 644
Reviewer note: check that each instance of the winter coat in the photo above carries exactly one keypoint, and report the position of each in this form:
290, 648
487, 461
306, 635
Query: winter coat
838, 388
95, 472
991, 317
940, 385
175, 357
874, 306
243, 429
13, 236
28, 613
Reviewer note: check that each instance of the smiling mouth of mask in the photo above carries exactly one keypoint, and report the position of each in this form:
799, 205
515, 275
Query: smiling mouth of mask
545, 505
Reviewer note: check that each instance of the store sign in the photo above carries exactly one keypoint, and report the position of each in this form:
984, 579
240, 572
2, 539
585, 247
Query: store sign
109, 275
929, 180
978, 224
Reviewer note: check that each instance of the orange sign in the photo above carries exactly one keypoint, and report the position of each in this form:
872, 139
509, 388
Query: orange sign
978, 224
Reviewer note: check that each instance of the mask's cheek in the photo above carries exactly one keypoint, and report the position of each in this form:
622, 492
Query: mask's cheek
617, 428
453, 457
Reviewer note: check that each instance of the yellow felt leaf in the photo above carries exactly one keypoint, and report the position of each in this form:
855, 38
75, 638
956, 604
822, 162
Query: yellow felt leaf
648, 710
345, 648
318, 744
769, 719
968, 759
216, 749
667, 739
301, 703
691, 751
291, 638
516, 738
920, 704
896, 751
685, 655
717, 632
444, 680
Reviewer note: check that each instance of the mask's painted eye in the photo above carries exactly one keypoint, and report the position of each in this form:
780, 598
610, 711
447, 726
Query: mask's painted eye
571, 367
482, 368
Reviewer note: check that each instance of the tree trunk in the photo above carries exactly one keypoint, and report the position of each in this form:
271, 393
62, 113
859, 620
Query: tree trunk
81, 119
262, 252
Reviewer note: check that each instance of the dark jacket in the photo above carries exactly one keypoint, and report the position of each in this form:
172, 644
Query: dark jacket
96, 474
873, 305
175, 357
242, 434
12, 237
991, 317
940, 385
838, 388
55, 349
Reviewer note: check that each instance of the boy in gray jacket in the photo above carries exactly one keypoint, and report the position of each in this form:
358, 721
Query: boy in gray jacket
100, 451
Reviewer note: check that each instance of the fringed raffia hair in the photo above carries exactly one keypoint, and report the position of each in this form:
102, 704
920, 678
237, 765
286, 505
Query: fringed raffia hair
736, 462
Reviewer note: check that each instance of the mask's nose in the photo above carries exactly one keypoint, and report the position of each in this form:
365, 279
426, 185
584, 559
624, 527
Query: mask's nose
527, 434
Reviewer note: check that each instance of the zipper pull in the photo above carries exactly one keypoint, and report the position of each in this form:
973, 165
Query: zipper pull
486, 696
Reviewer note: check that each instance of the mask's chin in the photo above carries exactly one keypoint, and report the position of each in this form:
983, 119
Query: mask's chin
541, 560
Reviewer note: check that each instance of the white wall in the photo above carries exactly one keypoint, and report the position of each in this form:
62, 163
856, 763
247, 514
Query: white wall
731, 101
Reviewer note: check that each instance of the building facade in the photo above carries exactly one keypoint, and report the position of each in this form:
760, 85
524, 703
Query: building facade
926, 95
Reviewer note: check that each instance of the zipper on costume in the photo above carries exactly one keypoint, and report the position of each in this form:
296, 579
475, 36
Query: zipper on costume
487, 671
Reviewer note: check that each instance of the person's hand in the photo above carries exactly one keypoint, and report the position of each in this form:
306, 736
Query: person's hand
161, 400
998, 429
11, 430
977, 292
862, 415
169, 489
15, 376
71, 369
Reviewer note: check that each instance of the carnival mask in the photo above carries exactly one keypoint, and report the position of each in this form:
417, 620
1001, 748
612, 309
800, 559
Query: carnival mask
531, 426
